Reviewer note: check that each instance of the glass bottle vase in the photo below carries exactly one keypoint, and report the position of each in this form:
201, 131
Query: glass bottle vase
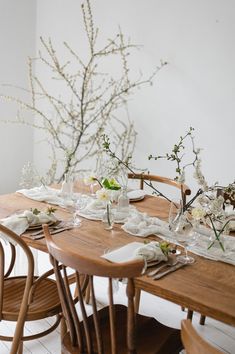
108, 218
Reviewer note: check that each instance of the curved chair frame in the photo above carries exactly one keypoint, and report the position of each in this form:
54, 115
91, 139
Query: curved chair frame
29, 285
193, 342
154, 178
113, 328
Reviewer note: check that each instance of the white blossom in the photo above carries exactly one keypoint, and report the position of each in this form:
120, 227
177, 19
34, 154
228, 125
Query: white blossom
103, 195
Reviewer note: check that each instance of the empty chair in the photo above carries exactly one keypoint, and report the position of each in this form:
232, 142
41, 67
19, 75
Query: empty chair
24, 297
115, 329
149, 178
142, 177
193, 342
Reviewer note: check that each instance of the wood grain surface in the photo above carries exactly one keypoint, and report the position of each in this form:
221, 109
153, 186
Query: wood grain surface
206, 286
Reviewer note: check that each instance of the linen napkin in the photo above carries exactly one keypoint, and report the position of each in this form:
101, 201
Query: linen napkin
215, 253
136, 250
151, 252
47, 194
94, 210
142, 225
19, 223
123, 254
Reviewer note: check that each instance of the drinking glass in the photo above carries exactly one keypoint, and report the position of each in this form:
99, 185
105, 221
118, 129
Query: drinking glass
182, 229
76, 208
186, 238
175, 212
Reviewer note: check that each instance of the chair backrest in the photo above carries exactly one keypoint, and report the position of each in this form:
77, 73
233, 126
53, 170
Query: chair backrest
85, 268
193, 342
8, 242
143, 177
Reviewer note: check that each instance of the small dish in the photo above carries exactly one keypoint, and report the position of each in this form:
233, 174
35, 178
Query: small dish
136, 195
39, 225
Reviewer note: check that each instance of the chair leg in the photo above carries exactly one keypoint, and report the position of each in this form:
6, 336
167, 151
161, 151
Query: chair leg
190, 315
87, 294
137, 300
63, 328
20, 349
202, 320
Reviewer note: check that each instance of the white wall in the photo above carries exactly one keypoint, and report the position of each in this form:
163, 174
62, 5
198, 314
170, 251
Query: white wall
196, 89
196, 37
17, 41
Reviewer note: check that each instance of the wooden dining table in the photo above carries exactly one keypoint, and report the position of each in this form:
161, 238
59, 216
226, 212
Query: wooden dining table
206, 286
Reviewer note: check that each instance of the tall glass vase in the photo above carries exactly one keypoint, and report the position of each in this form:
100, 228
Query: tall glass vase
108, 218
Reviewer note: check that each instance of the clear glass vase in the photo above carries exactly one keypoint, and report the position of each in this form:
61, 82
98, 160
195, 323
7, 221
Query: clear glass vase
217, 242
108, 218
123, 201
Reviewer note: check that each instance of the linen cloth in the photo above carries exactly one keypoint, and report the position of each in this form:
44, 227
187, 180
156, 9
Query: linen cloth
94, 210
142, 225
19, 223
49, 195
136, 250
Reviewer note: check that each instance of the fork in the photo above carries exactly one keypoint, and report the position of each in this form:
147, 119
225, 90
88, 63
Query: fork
52, 232
171, 262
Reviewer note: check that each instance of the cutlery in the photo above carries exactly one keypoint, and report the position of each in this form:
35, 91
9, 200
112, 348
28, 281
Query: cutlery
171, 262
172, 269
153, 263
53, 232
51, 228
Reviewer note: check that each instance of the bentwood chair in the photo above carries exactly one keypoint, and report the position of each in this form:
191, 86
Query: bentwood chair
24, 297
145, 177
115, 329
193, 342
185, 191
149, 178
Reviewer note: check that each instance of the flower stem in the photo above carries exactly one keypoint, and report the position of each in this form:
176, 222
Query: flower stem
108, 214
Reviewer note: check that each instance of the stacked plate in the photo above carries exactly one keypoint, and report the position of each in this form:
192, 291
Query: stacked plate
136, 195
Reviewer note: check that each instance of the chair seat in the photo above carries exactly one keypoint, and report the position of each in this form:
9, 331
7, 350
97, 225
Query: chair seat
147, 330
41, 306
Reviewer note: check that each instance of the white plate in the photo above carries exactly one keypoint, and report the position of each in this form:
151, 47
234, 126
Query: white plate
136, 195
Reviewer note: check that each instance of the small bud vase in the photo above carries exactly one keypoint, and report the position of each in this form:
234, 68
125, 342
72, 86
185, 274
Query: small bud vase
217, 242
108, 219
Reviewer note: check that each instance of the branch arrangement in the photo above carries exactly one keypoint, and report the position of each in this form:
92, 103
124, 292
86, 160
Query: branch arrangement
74, 120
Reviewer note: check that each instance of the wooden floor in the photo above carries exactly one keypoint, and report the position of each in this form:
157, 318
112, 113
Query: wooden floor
221, 335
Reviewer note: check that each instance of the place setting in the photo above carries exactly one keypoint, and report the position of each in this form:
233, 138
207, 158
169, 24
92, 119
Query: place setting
160, 258
29, 222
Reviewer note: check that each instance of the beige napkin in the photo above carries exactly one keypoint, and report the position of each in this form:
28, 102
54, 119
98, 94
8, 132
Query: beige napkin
151, 252
123, 254
20, 222
136, 250
47, 194
142, 225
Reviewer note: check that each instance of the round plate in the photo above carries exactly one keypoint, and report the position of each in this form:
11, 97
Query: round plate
136, 195
39, 225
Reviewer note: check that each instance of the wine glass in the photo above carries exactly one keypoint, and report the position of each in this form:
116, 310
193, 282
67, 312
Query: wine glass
175, 212
186, 238
75, 208
182, 229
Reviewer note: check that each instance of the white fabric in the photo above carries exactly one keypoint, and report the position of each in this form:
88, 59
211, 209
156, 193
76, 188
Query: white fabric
94, 210
20, 222
142, 225
151, 252
215, 252
47, 194
123, 254
136, 250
